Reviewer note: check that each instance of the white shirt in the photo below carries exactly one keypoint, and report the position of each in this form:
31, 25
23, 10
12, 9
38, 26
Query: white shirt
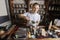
33, 17
57, 22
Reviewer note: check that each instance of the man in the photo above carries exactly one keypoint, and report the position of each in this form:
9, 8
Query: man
33, 16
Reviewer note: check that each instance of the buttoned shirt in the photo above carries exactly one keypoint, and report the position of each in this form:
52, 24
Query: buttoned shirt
33, 17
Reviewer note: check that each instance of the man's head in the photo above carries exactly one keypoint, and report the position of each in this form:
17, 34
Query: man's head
35, 7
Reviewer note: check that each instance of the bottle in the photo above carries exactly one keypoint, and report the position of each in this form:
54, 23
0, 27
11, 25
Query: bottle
29, 35
20, 11
20, 6
49, 8
52, 8
17, 6
25, 6
32, 30
16, 36
24, 11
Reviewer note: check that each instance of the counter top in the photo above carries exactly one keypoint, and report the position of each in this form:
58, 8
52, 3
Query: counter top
45, 39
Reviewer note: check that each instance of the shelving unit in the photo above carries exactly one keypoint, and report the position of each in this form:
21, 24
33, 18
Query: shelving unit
52, 10
22, 6
17, 7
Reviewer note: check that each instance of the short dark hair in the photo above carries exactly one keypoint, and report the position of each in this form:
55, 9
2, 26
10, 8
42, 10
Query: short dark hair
35, 4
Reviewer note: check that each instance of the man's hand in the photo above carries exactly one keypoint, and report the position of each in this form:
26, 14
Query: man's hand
23, 17
2, 32
28, 19
33, 22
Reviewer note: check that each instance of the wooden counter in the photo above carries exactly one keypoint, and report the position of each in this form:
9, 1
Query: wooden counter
45, 39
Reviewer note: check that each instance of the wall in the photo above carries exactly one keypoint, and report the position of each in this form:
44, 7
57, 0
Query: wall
4, 13
3, 10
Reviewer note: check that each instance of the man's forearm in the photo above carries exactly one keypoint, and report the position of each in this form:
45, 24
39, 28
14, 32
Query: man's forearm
23, 17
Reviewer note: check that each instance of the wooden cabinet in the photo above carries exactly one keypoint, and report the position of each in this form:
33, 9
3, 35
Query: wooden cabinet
52, 9
17, 7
